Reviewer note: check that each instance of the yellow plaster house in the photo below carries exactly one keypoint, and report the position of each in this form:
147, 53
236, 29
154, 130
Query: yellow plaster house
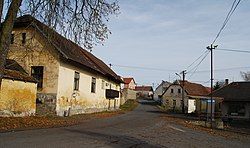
71, 80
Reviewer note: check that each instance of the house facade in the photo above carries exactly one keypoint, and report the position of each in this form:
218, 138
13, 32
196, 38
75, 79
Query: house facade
236, 100
193, 93
18, 91
160, 90
144, 92
129, 83
71, 80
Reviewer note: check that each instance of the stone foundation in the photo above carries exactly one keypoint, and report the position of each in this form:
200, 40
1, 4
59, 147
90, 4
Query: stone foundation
46, 104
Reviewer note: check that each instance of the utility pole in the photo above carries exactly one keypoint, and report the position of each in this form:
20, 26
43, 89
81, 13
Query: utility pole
210, 48
183, 90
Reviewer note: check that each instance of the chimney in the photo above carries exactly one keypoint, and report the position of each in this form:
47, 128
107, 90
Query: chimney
226, 81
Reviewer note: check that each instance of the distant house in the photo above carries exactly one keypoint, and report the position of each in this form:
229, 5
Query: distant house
71, 80
236, 100
145, 92
18, 91
194, 94
129, 83
160, 90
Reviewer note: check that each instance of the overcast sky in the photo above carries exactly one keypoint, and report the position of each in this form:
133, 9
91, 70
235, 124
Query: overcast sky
169, 35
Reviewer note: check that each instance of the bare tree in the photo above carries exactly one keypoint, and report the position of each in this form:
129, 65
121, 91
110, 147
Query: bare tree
83, 21
245, 75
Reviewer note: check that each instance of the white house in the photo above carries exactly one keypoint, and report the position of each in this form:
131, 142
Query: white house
129, 83
172, 97
160, 90
71, 80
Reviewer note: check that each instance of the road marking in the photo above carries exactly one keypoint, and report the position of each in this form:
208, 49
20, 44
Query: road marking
175, 128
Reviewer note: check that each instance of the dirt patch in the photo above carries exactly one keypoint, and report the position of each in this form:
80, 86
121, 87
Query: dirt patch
189, 124
129, 105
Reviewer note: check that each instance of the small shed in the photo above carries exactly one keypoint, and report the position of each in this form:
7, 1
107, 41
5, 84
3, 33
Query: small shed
18, 91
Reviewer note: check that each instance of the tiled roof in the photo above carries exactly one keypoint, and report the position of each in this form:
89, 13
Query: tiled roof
143, 88
67, 49
14, 71
194, 89
127, 80
236, 91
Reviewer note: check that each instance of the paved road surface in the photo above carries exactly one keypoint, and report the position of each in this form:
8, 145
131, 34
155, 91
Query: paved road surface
144, 127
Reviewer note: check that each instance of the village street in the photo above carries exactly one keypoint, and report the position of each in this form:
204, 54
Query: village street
143, 127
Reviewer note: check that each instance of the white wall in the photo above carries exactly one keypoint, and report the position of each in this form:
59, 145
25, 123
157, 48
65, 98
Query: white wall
83, 100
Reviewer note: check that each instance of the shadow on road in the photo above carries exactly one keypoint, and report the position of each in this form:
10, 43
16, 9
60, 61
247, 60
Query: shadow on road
114, 140
157, 112
147, 102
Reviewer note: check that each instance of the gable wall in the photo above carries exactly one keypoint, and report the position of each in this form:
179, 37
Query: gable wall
36, 52
168, 98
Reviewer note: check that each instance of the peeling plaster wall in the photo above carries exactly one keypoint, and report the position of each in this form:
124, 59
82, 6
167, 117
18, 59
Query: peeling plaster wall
18, 98
82, 101
37, 52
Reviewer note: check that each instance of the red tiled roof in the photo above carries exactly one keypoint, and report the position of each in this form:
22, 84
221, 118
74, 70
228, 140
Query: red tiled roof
143, 88
194, 89
15, 72
67, 49
127, 80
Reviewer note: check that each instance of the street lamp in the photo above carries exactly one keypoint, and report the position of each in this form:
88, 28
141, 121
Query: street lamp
178, 75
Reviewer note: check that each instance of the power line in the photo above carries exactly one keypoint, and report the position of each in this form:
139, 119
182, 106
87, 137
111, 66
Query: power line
223, 69
144, 68
196, 67
233, 50
231, 11
197, 59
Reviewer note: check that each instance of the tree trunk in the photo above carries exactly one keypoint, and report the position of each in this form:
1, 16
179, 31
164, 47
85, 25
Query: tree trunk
1, 10
5, 35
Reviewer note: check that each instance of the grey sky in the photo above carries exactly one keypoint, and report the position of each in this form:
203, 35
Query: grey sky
167, 34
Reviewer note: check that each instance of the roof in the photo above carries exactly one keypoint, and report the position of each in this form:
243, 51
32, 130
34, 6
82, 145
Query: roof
143, 88
236, 91
15, 72
164, 85
127, 80
73, 53
194, 89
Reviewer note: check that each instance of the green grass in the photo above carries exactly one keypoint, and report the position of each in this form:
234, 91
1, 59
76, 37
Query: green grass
129, 105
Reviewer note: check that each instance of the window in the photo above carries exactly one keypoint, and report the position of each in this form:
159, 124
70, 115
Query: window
12, 38
37, 73
103, 83
172, 90
76, 80
93, 85
174, 103
23, 38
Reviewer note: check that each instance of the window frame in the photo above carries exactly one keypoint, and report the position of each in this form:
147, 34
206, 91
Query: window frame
93, 85
24, 36
38, 76
103, 84
76, 81
12, 38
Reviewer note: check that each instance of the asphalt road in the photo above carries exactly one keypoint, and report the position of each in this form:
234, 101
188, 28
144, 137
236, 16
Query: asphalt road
143, 127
